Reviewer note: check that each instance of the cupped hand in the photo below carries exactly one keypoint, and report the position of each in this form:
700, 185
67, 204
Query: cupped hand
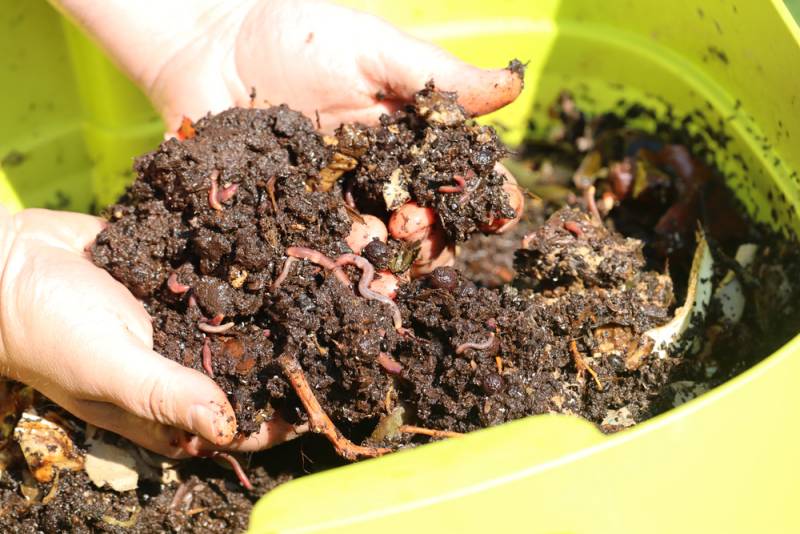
71, 331
318, 58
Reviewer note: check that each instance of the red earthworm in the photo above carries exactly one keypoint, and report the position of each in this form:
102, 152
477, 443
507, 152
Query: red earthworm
320, 259
237, 467
458, 179
226, 193
367, 274
214, 321
209, 328
348, 194
175, 286
213, 191
267, 332
191, 447
574, 228
207, 358
389, 364
476, 346
287, 266
192, 301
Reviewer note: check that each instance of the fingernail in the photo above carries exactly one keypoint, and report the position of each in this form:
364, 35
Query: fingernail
204, 422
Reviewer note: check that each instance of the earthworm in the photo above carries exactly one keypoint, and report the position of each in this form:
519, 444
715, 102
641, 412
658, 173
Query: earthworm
175, 286
367, 274
190, 445
458, 179
483, 345
209, 328
320, 259
237, 467
574, 228
207, 358
287, 266
214, 321
213, 191
348, 194
389, 364
226, 193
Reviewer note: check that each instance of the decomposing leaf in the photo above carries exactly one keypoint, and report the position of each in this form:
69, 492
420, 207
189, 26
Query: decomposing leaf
686, 390
676, 336
395, 193
46, 447
618, 419
338, 165
389, 425
111, 465
585, 173
15, 398
730, 294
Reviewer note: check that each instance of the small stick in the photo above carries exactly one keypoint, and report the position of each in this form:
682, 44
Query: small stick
499, 362
411, 429
582, 366
483, 345
207, 358
591, 204
213, 191
319, 421
209, 328
271, 191
367, 274
175, 286
389, 364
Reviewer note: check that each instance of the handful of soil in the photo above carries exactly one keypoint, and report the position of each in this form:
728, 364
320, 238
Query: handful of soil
236, 240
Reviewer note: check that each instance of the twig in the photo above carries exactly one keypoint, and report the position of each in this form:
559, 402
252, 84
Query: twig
411, 429
582, 366
319, 421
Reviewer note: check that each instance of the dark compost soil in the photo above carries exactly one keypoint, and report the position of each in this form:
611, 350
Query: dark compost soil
202, 237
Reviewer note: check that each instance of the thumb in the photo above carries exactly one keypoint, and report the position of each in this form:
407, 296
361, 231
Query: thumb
404, 65
155, 388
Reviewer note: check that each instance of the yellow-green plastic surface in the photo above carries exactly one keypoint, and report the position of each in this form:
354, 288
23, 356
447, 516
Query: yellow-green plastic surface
725, 462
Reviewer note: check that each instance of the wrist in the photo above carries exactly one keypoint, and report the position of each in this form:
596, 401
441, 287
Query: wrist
7, 237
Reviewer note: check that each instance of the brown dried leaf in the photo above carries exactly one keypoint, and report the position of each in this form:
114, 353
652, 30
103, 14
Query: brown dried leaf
46, 447
111, 465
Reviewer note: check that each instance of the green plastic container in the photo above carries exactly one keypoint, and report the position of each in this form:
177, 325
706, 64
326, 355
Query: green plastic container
725, 462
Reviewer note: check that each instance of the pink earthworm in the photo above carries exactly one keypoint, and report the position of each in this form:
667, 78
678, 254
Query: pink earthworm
207, 358
573, 228
214, 321
591, 204
367, 274
348, 195
226, 193
237, 467
320, 259
190, 445
209, 328
175, 286
476, 346
389, 364
213, 191
287, 266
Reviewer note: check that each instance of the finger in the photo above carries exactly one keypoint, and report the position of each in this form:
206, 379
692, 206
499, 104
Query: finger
363, 233
411, 222
516, 199
74, 231
406, 64
151, 387
446, 258
149, 434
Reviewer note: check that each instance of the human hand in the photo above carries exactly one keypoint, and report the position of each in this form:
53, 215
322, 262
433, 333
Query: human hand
71, 331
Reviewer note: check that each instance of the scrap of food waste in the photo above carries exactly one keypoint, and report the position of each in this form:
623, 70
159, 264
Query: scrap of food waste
312, 278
